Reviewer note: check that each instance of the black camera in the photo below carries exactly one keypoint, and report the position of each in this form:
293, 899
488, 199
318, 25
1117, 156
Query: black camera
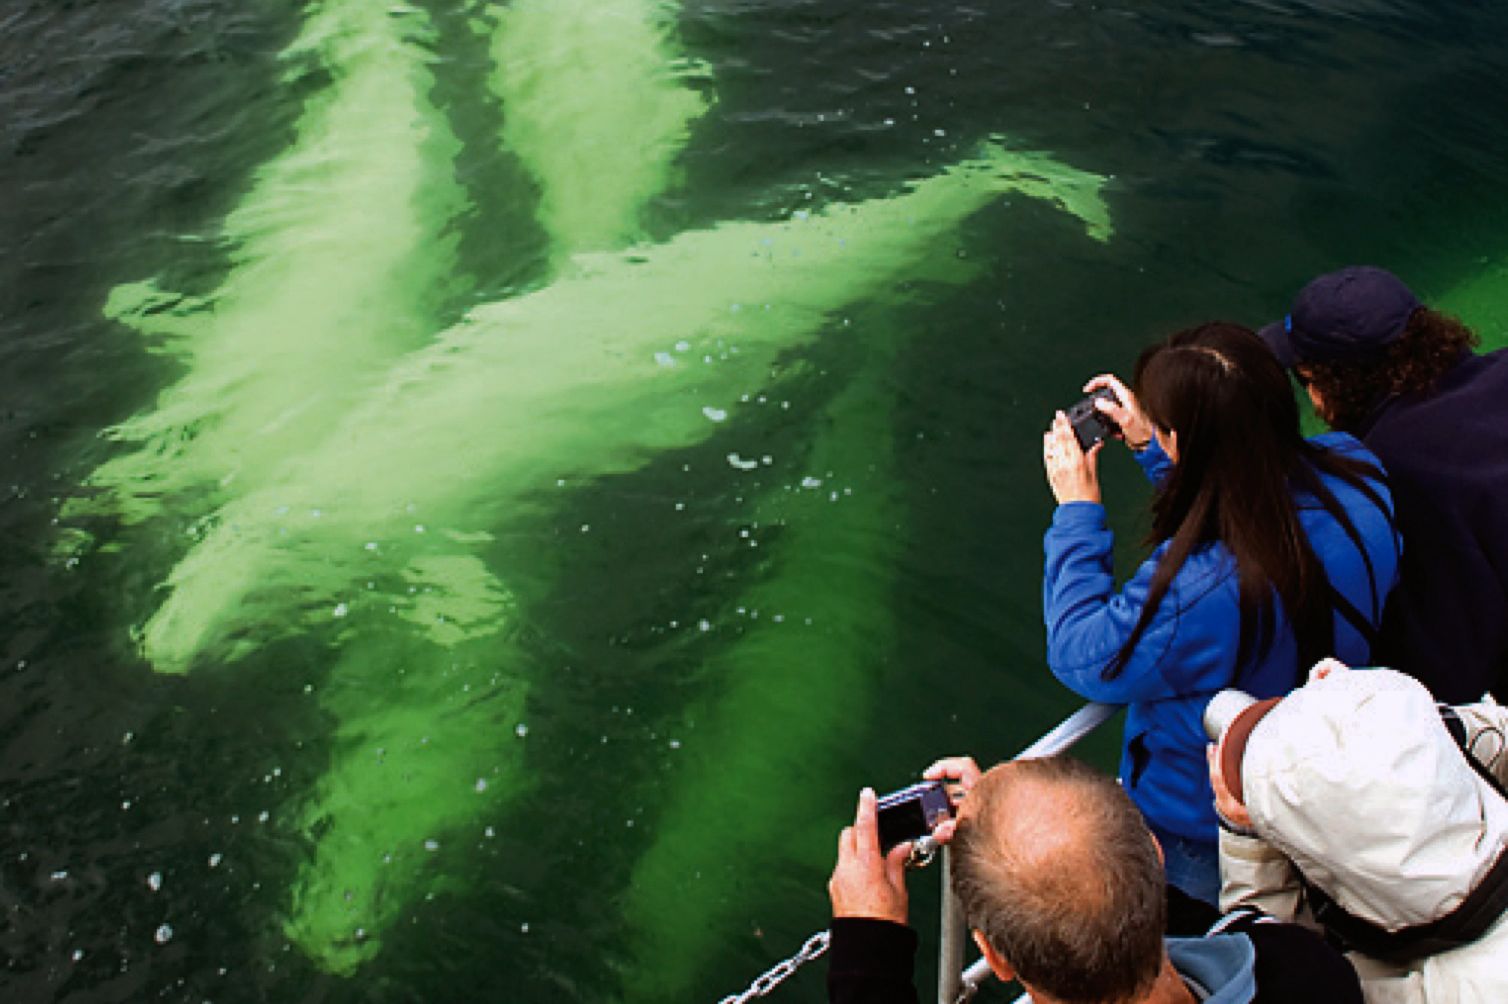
912, 812
1090, 424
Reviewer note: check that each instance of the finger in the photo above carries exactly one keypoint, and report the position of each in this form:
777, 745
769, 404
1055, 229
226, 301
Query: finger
1217, 779
895, 864
963, 769
865, 826
1104, 380
949, 768
1114, 410
845, 844
1062, 432
944, 830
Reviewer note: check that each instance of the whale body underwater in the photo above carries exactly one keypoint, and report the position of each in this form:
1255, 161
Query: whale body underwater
346, 452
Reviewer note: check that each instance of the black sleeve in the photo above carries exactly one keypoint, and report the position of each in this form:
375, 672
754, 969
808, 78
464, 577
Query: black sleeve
871, 962
1297, 966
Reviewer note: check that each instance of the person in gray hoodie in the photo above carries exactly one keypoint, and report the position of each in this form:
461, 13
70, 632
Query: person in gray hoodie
1358, 805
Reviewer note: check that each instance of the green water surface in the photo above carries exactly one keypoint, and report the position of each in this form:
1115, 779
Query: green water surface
485, 484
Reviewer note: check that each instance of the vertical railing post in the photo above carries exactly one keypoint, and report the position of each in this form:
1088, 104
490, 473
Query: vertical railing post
955, 934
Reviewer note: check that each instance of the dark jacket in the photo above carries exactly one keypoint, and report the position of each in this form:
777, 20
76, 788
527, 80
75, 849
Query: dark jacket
871, 962
1446, 454
1189, 651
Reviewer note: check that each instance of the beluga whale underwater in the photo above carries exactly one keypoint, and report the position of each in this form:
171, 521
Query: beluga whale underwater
346, 454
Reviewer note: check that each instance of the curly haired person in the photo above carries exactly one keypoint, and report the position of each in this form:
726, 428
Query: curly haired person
1406, 381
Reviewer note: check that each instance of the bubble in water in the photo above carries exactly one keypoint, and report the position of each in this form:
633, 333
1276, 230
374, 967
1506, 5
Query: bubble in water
521, 730
215, 859
431, 845
164, 934
340, 610
481, 784
154, 881
715, 414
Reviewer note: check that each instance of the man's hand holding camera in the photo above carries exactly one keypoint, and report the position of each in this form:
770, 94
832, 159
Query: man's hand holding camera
870, 882
865, 882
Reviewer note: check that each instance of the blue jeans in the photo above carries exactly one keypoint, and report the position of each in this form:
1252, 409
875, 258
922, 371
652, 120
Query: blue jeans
1192, 865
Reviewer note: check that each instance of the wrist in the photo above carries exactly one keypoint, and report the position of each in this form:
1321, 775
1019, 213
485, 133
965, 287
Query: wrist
1231, 826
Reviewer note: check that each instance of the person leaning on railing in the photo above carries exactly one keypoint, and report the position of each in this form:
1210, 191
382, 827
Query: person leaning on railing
1270, 551
1358, 805
1062, 885
1404, 380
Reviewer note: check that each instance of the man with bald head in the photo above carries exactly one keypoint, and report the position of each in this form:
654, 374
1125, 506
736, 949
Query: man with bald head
1062, 884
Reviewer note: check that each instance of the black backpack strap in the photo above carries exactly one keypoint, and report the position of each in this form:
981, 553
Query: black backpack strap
1364, 625
1355, 618
1457, 729
1471, 918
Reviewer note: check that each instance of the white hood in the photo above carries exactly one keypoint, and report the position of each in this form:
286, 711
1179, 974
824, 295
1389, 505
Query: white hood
1355, 778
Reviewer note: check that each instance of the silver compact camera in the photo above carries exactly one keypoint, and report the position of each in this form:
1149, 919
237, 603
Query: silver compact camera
912, 813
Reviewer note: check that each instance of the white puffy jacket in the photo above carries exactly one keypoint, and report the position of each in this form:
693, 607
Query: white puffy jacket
1355, 780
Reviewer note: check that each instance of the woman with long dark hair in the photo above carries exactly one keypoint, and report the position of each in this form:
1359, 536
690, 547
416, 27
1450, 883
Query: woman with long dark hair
1270, 552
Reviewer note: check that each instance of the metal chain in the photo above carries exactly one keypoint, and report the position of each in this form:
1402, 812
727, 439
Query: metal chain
777, 974
922, 854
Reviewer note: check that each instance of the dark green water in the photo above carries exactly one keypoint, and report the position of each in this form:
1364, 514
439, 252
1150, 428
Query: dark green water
155, 823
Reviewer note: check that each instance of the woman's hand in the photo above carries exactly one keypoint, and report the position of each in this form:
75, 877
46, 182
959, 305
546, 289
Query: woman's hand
1125, 411
1072, 474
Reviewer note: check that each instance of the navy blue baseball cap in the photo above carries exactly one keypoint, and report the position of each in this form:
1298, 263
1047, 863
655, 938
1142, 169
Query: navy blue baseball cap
1342, 315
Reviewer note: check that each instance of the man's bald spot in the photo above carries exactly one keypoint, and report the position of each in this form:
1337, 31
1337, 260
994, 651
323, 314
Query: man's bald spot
1059, 875
1043, 834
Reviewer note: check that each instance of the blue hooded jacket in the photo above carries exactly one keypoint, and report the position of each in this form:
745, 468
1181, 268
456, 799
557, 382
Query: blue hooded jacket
1188, 652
